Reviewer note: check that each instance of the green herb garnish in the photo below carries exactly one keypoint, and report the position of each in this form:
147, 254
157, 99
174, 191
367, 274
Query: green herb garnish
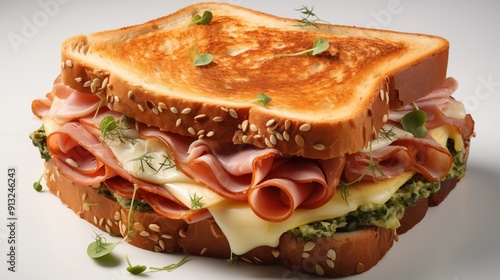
38, 185
414, 122
145, 159
262, 99
171, 266
200, 59
136, 269
112, 129
320, 45
233, 259
196, 202
206, 18
309, 18
100, 248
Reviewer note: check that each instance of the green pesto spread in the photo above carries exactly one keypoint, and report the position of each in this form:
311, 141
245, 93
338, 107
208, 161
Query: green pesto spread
39, 138
383, 215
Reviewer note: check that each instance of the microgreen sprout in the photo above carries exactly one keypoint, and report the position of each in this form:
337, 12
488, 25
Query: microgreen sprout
200, 59
196, 202
309, 18
167, 163
136, 269
206, 18
171, 266
320, 45
100, 248
233, 259
414, 122
113, 130
38, 185
262, 99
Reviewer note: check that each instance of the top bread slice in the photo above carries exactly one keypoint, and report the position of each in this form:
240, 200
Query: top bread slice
323, 106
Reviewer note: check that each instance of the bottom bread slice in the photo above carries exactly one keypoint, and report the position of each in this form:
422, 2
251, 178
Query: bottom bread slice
345, 253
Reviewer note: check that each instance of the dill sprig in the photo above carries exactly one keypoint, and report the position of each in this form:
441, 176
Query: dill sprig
309, 18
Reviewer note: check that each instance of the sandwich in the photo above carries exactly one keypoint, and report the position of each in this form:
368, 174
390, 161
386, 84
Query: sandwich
225, 132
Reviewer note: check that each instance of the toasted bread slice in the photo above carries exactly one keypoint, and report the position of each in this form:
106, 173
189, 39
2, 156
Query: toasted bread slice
322, 106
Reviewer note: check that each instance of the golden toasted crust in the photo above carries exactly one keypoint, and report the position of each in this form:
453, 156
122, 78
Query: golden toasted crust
322, 106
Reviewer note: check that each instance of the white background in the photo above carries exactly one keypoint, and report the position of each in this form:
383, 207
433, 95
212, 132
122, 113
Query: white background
458, 240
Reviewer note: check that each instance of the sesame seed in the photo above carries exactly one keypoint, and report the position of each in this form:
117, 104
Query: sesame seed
78, 79
233, 113
162, 106
154, 227
218, 119
309, 246
140, 107
186, 111
155, 111
385, 118
270, 122
268, 142
276, 253
305, 255
244, 125
273, 139
200, 117
201, 132
96, 83
210, 133
144, 233
387, 97
87, 83
244, 138
382, 94
224, 109
299, 140
95, 220
305, 127
330, 263
138, 226
214, 231
331, 254
279, 136
174, 110
109, 222
69, 63
203, 251
84, 197
254, 128
178, 122
116, 99
319, 146
63, 66
287, 124
117, 216
166, 236
182, 233
191, 131
131, 95
162, 244
319, 270
108, 228
104, 82
286, 136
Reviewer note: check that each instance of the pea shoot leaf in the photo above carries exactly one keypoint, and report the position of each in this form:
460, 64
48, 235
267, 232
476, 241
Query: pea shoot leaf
414, 122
